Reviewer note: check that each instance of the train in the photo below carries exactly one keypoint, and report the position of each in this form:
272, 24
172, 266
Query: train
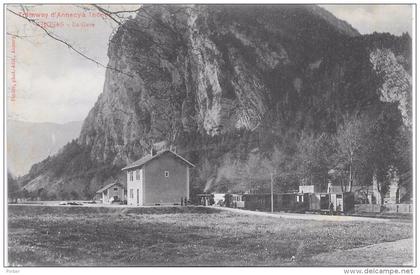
338, 203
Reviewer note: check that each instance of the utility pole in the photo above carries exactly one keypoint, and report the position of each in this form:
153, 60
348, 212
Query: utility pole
272, 195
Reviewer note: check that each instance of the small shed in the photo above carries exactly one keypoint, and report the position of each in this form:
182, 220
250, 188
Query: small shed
112, 192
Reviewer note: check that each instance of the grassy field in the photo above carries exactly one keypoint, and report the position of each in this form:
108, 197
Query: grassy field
172, 236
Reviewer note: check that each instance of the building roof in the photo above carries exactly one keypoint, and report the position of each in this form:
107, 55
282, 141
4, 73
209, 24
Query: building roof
335, 189
148, 158
368, 188
108, 186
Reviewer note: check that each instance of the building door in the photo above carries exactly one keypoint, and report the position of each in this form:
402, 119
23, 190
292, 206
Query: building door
138, 197
340, 203
324, 202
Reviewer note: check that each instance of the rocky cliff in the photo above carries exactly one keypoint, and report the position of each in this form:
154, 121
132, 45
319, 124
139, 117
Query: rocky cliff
211, 79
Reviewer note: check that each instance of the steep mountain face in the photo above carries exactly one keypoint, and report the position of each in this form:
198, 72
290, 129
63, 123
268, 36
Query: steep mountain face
31, 142
215, 79
213, 68
396, 86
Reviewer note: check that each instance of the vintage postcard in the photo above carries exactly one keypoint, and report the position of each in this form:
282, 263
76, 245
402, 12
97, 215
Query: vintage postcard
210, 135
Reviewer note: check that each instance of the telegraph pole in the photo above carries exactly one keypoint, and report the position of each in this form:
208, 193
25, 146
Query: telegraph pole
272, 195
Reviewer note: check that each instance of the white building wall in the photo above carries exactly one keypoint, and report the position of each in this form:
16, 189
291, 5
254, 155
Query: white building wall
188, 183
135, 188
376, 196
104, 197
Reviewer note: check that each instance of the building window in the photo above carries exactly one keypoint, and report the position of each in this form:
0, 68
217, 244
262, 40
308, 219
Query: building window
166, 174
131, 175
299, 198
137, 174
131, 194
116, 188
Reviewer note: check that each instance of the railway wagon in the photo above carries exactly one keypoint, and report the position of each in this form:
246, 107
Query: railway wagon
321, 202
204, 199
234, 201
281, 202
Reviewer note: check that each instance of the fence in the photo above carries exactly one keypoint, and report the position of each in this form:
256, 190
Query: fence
398, 208
367, 208
387, 208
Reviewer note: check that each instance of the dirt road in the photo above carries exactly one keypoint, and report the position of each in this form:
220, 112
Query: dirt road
315, 217
398, 253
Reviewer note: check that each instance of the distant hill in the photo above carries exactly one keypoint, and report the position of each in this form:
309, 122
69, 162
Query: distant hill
31, 142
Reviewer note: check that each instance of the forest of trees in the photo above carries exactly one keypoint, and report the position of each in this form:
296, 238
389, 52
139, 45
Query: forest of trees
362, 147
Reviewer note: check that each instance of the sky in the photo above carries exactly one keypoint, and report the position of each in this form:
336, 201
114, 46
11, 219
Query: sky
395, 19
55, 84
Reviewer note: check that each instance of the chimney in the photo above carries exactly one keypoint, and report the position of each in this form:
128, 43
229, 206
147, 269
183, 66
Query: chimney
153, 151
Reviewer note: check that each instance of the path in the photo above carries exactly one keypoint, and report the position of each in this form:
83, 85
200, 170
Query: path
398, 253
316, 217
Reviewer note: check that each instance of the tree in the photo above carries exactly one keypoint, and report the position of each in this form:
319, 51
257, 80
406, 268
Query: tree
350, 138
13, 189
25, 193
382, 156
404, 157
260, 169
250, 174
42, 194
257, 172
74, 195
64, 195
314, 158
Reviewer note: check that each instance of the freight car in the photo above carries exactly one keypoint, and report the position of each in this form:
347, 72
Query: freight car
290, 202
327, 202
299, 202
234, 201
205, 199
